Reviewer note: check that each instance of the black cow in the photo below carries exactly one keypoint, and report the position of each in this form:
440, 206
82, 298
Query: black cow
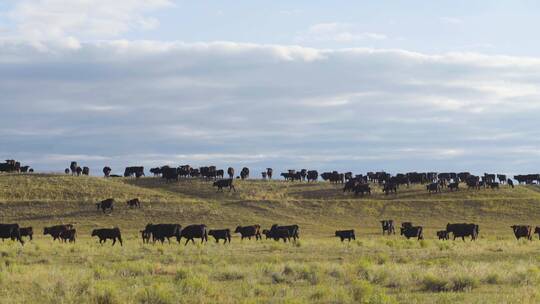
68, 235
388, 227
132, 203
79, 171
244, 173
137, 171
230, 172
86, 171
433, 188
66, 171
73, 167
293, 230
169, 174
107, 171
413, 231
221, 234
145, 235
361, 188
269, 172
390, 188
106, 204
345, 234
11, 231
108, 233
161, 232
510, 183
192, 232
249, 231
277, 234
522, 231
27, 231
312, 175
442, 235
453, 186
462, 230
224, 183
56, 230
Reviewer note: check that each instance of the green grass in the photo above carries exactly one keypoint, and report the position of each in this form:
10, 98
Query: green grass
318, 269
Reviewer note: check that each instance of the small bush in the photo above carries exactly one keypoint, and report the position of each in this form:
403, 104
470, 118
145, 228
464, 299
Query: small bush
464, 283
493, 278
432, 283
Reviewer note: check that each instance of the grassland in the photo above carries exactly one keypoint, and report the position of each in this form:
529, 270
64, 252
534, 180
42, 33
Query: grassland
317, 269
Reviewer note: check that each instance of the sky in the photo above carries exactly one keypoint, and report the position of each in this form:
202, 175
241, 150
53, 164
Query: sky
345, 85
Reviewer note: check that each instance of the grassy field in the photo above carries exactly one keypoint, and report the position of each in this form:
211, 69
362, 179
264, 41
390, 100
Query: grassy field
317, 269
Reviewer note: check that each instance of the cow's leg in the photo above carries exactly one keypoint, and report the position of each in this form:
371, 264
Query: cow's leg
113, 241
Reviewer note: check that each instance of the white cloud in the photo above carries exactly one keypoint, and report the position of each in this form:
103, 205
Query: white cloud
67, 22
337, 32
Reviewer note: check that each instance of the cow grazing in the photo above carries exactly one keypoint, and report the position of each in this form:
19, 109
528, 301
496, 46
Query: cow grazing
56, 230
443, 235
27, 231
161, 232
192, 232
221, 234
361, 189
11, 231
79, 171
106, 204
346, 235
388, 227
132, 203
277, 234
522, 231
463, 230
224, 183
293, 230
105, 234
249, 231
68, 235
413, 231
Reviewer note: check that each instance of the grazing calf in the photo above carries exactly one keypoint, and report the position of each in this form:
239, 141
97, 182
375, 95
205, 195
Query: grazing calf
462, 230
134, 203
108, 233
345, 234
414, 231
522, 231
224, 183
192, 232
443, 235
221, 234
293, 230
27, 231
277, 234
11, 231
249, 231
388, 227
68, 235
55, 231
106, 204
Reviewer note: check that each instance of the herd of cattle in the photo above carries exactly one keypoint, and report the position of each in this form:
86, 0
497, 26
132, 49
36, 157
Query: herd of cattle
164, 232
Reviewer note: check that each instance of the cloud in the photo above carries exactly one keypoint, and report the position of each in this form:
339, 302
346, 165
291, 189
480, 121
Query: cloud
337, 32
67, 22
128, 102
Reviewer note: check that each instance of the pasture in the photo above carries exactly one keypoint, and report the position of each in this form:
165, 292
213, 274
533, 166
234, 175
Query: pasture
317, 269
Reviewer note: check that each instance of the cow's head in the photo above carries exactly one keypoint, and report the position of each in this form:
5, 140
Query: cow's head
238, 228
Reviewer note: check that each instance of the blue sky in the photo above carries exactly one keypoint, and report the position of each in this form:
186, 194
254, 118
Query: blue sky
347, 85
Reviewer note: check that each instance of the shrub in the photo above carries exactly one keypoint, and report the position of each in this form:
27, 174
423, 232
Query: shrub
432, 283
464, 283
